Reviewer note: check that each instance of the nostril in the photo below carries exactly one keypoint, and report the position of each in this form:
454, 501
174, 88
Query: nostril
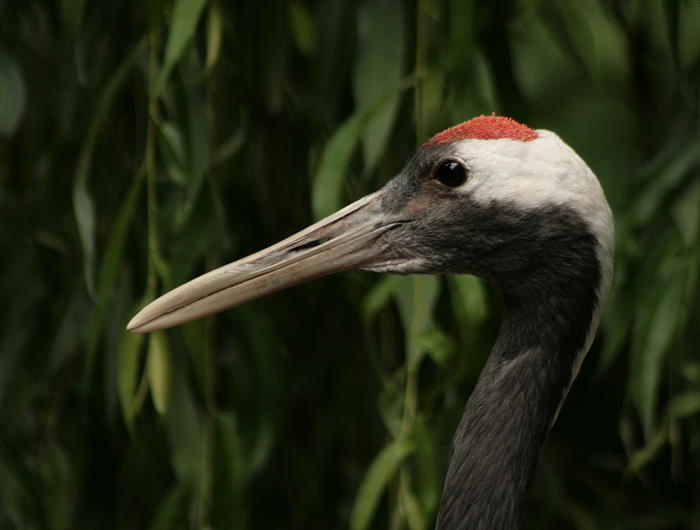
311, 244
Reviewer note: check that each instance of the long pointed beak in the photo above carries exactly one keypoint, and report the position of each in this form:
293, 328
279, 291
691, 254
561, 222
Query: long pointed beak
346, 240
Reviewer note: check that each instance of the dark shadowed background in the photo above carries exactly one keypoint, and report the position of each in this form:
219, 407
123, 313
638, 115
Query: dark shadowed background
142, 143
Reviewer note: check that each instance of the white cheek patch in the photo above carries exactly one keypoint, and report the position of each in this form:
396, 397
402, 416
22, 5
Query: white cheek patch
542, 172
538, 173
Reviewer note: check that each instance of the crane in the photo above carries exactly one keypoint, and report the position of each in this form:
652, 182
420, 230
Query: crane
489, 197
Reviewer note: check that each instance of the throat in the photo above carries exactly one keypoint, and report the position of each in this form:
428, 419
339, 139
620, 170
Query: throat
509, 414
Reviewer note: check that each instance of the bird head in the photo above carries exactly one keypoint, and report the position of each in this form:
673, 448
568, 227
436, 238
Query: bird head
489, 197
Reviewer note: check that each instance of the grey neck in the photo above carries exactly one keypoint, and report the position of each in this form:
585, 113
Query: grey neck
550, 275
498, 442
507, 418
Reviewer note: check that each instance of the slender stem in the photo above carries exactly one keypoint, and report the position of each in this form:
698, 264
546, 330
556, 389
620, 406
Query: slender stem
410, 396
406, 500
150, 163
157, 267
421, 66
206, 474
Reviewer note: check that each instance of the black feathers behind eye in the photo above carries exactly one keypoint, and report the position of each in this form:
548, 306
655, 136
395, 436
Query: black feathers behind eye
451, 173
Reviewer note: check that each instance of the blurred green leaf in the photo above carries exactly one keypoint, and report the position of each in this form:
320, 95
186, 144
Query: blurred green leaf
128, 371
109, 267
653, 336
685, 404
196, 130
158, 370
666, 175
436, 344
232, 468
169, 512
230, 145
381, 470
617, 320
302, 27
686, 214
562, 33
646, 454
672, 12
12, 94
470, 300
85, 216
410, 507
331, 173
173, 149
427, 482
229, 439
184, 429
72, 12
24, 483
214, 34
687, 15
433, 89
691, 371
67, 338
461, 32
265, 377
416, 297
185, 16
83, 204
378, 70
391, 402
379, 296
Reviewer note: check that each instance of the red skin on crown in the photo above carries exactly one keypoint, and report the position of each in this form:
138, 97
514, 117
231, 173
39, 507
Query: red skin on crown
484, 128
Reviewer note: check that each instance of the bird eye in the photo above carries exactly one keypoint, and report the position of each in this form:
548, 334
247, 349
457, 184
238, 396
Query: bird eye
451, 173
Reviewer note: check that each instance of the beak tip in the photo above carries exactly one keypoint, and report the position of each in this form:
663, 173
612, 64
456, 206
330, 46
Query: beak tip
136, 325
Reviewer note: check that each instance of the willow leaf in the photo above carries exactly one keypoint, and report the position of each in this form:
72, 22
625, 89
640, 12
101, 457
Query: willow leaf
378, 68
158, 370
380, 472
186, 14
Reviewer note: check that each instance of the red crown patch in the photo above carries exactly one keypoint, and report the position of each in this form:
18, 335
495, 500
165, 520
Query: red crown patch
484, 128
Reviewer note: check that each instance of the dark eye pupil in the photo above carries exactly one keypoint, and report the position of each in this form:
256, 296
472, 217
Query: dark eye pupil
451, 174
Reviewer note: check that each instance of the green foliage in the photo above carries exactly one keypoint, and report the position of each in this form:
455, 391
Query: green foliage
144, 143
11, 94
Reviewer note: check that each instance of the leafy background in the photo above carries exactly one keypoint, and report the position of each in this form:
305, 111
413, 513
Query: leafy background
142, 143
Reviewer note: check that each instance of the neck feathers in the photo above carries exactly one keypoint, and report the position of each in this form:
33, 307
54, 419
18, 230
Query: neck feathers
545, 333
497, 444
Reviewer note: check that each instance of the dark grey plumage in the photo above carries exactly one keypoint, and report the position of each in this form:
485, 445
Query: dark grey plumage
545, 322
